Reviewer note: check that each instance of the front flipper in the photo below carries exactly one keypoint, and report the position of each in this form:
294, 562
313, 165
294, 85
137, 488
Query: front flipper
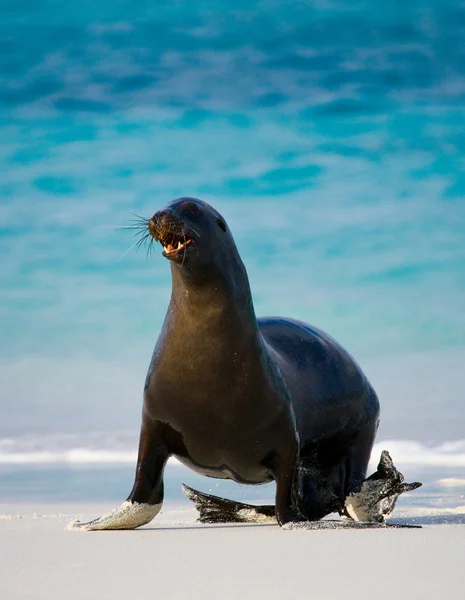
127, 515
146, 497
377, 496
213, 509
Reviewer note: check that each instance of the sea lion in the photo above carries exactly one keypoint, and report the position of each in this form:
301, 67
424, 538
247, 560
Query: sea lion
236, 397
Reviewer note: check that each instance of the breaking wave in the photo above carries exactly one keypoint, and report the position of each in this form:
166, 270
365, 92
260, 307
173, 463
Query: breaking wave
121, 448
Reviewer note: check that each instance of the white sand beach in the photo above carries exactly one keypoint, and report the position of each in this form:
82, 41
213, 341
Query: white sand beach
174, 557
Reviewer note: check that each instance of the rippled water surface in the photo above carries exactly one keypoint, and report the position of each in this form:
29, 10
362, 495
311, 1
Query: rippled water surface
329, 134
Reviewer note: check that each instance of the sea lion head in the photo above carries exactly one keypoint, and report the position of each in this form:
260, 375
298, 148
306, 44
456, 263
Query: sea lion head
191, 232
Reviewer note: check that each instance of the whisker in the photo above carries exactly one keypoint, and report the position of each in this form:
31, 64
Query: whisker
139, 218
134, 223
122, 226
141, 227
184, 254
139, 222
141, 230
124, 253
142, 240
149, 249
192, 229
172, 232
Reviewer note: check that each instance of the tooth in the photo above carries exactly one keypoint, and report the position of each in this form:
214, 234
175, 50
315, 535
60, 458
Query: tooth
179, 245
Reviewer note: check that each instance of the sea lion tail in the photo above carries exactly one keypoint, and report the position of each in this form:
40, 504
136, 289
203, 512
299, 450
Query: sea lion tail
213, 509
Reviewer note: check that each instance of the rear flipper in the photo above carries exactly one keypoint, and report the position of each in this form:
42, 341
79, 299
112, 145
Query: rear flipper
213, 509
376, 498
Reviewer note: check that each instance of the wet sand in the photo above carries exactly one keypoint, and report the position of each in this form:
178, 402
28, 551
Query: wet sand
174, 557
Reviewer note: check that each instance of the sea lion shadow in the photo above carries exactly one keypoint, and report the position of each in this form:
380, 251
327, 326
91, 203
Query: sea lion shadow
205, 526
325, 524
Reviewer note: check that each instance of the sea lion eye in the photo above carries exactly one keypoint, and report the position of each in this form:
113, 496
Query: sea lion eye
222, 224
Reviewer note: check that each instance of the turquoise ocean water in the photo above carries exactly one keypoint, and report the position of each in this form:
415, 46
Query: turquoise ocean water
329, 134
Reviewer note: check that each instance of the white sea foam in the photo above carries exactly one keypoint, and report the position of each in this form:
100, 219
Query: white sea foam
121, 448
93, 448
451, 482
407, 452
77, 455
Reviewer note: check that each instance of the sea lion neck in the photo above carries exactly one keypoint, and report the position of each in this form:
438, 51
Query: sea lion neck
213, 292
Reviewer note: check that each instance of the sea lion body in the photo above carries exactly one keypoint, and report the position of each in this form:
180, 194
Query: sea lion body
291, 384
233, 396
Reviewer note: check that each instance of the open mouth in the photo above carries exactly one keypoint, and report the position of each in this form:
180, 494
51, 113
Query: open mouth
174, 243
172, 235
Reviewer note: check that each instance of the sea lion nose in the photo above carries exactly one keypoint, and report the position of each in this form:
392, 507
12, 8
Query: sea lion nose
153, 226
161, 221
163, 217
